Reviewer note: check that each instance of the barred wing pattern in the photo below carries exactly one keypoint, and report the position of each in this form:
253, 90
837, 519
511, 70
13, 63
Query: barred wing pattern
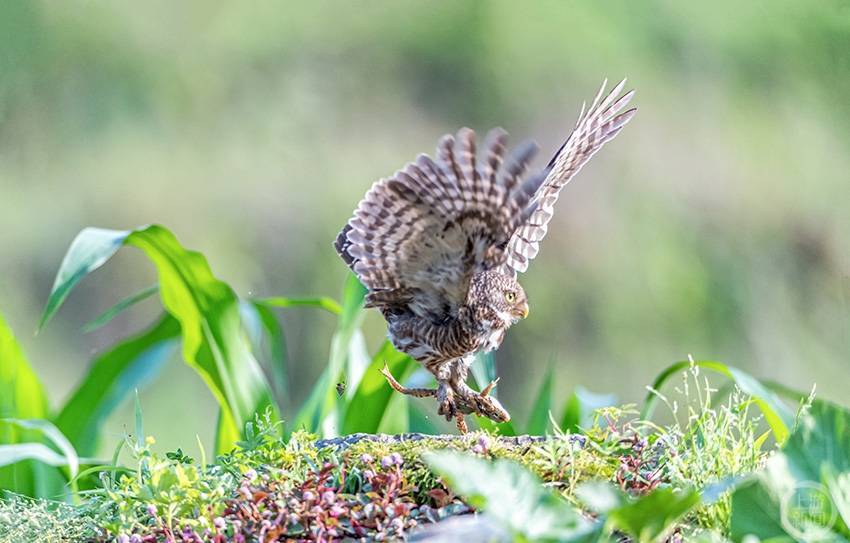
596, 125
418, 237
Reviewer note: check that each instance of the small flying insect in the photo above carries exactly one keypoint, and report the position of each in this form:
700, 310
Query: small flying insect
340, 388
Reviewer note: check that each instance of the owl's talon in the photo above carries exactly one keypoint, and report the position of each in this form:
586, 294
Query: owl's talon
446, 397
461, 423
448, 408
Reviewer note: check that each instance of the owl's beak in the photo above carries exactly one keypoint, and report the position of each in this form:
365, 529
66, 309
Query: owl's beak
522, 311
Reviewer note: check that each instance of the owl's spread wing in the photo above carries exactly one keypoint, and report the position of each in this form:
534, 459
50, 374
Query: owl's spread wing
416, 238
596, 125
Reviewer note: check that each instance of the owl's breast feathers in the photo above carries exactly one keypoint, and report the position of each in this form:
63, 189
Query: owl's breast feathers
432, 343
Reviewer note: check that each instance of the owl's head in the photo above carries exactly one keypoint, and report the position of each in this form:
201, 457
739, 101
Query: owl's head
500, 294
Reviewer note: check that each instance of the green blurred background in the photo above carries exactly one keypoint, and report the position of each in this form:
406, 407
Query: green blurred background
716, 224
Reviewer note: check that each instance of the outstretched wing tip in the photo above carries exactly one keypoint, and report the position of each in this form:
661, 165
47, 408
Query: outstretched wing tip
597, 124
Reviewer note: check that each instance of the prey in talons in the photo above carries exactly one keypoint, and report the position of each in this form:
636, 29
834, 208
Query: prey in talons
463, 400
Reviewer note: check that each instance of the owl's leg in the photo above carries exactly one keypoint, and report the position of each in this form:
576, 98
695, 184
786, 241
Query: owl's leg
446, 399
445, 389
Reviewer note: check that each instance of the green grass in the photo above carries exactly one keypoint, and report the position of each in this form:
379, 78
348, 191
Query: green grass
707, 468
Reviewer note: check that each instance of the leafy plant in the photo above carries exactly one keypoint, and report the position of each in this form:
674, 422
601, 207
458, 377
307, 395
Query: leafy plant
206, 308
803, 492
512, 498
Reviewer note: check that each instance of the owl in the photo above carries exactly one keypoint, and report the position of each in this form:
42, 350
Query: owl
439, 244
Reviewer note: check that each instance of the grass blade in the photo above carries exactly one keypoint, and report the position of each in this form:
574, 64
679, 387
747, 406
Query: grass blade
12, 454
276, 341
116, 309
139, 426
52, 433
778, 416
503, 428
111, 377
483, 370
323, 302
323, 397
538, 419
581, 404
368, 406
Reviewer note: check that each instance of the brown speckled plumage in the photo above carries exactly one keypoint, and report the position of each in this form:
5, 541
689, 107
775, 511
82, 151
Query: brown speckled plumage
439, 244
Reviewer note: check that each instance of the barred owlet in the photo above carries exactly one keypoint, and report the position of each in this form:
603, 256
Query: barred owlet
439, 244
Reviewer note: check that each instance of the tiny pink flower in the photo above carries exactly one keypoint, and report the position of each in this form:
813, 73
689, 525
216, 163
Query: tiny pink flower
397, 459
309, 496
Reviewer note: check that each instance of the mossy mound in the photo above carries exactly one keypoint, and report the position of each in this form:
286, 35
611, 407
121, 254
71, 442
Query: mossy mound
379, 487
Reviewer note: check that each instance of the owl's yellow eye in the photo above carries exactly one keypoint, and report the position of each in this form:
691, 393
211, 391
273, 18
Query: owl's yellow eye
510, 296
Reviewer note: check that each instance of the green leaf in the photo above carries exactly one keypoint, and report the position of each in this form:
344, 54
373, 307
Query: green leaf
214, 343
54, 435
90, 250
511, 495
502, 428
123, 304
323, 397
276, 343
322, 302
112, 377
802, 488
578, 413
12, 454
22, 396
139, 420
368, 406
538, 419
778, 416
483, 370
21, 393
650, 517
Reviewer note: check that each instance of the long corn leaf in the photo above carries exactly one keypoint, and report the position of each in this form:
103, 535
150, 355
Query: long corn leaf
112, 377
22, 396
214, 343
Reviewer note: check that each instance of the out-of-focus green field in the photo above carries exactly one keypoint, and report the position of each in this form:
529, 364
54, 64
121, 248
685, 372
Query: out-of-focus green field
718, 222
